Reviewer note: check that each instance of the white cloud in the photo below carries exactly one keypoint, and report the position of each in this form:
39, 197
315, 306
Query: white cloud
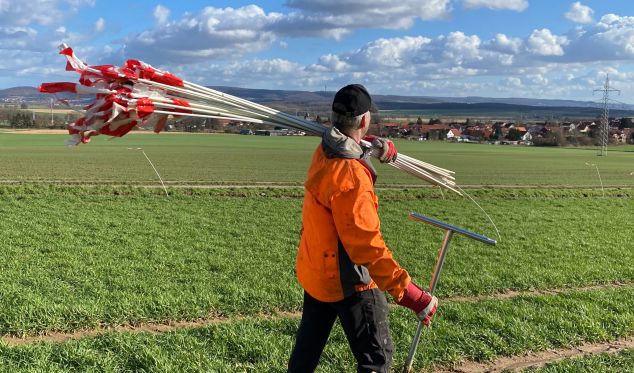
336, 18
618, 32
17, 32
222, 32
213, 33
272, 68
540, 58
579, 13
538, 79
512, 82
330, 63
29, 39
612, 38
16, 37
459, 47
447, 56
390, 52
161, 14
544, 43
516, 5
218, 33
456, 71
213, 46
504, 44
380, 10
42, 12
100, 25
256, 73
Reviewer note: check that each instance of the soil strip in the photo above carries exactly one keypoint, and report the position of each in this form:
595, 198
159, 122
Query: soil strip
509, 294
168, 326
540, 359
273, 184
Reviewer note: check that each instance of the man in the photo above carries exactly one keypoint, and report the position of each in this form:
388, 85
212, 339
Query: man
343, 263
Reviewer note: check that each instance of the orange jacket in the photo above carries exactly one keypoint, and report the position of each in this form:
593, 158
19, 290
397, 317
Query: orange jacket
341, 249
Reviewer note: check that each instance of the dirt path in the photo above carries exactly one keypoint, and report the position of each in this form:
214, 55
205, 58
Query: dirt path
37, 131
176, 325
57, 131
264, 184
513, 363
185, 185
540, 359
517, 293
143, 327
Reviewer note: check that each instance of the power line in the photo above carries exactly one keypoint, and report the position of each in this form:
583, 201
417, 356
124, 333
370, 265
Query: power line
605, 119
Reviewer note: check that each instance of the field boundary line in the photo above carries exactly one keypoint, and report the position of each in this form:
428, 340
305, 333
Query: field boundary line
146, 184
289, 184
150, 327
540, 359
509, 294
173, 325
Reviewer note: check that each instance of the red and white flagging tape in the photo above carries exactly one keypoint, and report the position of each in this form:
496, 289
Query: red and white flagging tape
137, 94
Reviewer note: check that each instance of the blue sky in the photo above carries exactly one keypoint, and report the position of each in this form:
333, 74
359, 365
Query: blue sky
496, 48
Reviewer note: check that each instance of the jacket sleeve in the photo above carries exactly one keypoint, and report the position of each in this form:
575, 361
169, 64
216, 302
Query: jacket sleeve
358, 226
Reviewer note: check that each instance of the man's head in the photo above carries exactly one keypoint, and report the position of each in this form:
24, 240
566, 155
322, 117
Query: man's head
351, 109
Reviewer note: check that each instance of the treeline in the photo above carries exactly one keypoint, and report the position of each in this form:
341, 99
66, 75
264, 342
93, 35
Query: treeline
16, 118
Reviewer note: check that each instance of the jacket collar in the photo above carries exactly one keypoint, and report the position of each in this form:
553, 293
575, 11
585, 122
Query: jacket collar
338, 145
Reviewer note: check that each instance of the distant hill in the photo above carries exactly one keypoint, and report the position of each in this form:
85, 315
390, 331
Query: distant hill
28, 93
526, 108
496, 110
261, 95
269, 95
319, 102
523, 101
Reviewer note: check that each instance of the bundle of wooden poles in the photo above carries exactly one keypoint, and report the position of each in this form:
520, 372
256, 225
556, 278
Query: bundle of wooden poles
137, 94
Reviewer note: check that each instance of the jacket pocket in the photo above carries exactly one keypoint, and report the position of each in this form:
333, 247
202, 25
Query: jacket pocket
330, 264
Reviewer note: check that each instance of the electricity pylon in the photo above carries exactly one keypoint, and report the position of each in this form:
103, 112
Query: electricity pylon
604, 133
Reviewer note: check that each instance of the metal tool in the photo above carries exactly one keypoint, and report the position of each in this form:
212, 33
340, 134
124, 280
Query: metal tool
449, 231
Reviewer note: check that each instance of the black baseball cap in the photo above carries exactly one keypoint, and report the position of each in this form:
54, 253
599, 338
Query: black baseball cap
352, 100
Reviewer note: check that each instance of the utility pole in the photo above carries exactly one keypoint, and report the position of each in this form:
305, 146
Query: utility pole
52, 119
604, 133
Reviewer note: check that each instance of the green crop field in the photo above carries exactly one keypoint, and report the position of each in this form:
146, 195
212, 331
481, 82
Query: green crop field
231, 159
604, 363
85, 250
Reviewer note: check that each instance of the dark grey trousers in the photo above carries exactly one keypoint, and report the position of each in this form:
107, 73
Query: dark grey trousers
363, 317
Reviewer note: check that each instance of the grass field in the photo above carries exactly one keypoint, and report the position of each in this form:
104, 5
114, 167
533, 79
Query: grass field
231, 159
476, 331
79, 258
604, 363
55, 111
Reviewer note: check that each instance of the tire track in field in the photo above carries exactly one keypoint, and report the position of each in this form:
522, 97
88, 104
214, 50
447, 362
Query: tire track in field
152, 327
168, 326
509, 294
283, 184
540, 359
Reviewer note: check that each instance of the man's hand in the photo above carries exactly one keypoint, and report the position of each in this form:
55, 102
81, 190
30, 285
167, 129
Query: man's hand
419, 301
388, 150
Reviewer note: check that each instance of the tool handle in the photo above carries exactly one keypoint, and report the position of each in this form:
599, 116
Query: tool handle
432, 288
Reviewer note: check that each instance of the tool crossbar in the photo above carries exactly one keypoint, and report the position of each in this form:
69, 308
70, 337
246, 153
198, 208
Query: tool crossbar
446, 226
449, 231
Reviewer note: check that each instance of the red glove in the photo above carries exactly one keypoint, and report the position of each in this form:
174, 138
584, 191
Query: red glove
419, 301
388, 150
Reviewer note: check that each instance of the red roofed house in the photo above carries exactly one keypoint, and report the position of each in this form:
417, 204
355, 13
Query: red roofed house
435, 131
453, 134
